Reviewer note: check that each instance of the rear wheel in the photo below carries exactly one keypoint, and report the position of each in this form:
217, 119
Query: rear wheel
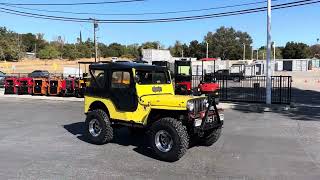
98, 127
169, 139
211, 137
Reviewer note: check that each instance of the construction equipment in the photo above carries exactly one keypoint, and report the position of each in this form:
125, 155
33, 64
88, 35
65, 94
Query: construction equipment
54, 86
25, 85
11, 85
40, 86
68, 86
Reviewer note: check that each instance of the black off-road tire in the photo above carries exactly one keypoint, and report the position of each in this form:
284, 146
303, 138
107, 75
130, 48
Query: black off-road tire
106, 134
211, 137
179, 135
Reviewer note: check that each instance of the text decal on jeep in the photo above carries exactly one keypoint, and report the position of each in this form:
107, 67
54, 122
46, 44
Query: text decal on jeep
156, 89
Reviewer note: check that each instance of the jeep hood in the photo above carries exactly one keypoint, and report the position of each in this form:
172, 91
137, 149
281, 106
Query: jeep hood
166, 100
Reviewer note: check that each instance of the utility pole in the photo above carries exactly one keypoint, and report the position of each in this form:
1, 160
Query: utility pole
244, 51
274, 51
257, 54
182, 53
268, 85
95, 27
207, 56
252, 53
207, 50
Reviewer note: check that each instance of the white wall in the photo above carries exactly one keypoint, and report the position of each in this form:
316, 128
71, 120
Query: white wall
150, 55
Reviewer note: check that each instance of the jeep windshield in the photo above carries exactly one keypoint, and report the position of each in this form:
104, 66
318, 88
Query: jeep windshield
152, 77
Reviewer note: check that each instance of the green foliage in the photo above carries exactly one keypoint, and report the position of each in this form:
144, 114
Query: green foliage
197, 50
49, 52
315, 51
70, 52
227, 43
151, 45
294, 50
9, 47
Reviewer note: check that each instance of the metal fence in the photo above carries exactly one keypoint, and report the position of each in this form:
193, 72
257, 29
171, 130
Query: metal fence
251, 89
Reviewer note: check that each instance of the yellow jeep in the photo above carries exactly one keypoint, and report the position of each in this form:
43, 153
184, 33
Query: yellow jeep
142, 96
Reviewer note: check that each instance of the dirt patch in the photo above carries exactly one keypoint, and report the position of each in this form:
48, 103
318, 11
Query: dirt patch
53, 66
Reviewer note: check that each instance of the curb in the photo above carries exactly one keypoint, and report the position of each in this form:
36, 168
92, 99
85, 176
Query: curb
50, 98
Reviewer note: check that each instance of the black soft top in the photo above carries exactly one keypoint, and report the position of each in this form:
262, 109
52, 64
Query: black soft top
126, 65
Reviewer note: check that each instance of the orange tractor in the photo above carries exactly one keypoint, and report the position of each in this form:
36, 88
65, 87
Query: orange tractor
40, 86
54, 86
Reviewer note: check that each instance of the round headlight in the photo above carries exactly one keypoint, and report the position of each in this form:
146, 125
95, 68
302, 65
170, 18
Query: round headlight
190, 106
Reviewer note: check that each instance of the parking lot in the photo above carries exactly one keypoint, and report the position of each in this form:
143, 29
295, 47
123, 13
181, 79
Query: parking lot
41, 139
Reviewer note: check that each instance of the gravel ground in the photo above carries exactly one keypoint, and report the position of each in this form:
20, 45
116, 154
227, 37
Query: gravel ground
41, 139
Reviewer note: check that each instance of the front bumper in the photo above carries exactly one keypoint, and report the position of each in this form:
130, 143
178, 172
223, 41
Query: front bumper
209, 119
211, 122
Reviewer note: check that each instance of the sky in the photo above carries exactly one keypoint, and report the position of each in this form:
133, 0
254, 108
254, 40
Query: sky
299, 24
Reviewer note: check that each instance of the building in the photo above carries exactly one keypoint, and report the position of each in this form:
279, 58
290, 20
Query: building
293, 65
150, 55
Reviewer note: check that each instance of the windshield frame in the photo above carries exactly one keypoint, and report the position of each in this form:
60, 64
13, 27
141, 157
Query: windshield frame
167, 76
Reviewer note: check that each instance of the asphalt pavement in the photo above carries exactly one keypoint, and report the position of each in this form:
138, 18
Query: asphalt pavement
42, 139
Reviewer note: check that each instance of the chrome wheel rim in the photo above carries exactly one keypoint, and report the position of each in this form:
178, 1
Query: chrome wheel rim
163, 141
94, 127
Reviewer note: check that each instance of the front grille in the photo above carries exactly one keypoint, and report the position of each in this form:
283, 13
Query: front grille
53, 87
10, 82
37, 89
199, 105
23, 83
53, 90
68, 84
70, 90
9, 90
24, 90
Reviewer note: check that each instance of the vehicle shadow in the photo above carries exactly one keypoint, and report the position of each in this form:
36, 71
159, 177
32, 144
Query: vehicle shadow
122, 136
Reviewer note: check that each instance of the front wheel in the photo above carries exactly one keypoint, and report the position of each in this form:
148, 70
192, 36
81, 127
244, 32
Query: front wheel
211, 137
169, 139
98, 127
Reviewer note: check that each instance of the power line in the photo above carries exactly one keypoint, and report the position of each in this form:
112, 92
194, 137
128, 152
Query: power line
39, 17
175, 19
71, 4
146, 13
245, 11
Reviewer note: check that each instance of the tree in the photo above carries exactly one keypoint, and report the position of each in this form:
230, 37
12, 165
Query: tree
315, 51
294, 50
29, 41
70, 52
132, 50
176, 50
227, 43
49, 52
115, 50
197, 50
151, 45
9, 45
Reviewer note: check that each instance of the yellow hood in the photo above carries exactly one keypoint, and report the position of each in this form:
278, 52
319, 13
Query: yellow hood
166, 100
